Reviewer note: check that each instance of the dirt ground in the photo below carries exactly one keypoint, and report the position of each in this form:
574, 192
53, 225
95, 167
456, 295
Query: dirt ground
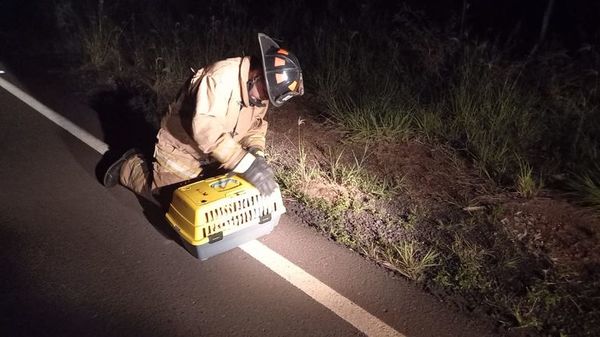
566, 233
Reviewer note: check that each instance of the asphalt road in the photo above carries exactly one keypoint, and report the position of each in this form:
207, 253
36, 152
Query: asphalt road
77, 259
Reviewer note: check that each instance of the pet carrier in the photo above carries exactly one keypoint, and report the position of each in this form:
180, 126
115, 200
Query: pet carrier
217, 214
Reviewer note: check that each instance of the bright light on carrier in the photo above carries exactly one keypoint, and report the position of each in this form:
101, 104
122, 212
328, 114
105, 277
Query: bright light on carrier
220, 213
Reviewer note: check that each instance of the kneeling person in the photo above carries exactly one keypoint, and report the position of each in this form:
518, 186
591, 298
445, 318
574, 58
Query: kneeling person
218, 116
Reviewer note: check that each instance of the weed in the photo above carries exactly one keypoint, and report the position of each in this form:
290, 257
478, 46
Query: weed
471, 271
492, 116
370, 249
356, 175
587, 188
413, 215
306, 171
334, 53
509, 261
430, 124
523, 314
408, 260
339, 173
343, 236
527, 186
371, 119
302, 172
100, 38
444, 279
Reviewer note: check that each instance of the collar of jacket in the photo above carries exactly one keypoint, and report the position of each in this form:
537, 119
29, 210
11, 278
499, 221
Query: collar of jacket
244, 72
244, 69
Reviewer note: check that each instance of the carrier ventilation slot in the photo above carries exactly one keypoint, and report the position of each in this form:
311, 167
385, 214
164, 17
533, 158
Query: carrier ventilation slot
236, 214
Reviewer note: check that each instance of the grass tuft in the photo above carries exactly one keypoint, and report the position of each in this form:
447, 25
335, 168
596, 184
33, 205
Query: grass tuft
526, 184
356, 175
587, 188
409, 260
371, 119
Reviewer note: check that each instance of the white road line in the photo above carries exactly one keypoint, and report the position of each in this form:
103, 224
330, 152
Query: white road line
341, 306
66, 124
320, 292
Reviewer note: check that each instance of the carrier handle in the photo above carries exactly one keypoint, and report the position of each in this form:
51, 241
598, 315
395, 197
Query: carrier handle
223, 185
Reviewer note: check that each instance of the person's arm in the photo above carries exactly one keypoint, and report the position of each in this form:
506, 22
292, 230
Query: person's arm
255, 139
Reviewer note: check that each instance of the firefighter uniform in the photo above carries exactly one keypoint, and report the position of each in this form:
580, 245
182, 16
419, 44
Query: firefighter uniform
212, 119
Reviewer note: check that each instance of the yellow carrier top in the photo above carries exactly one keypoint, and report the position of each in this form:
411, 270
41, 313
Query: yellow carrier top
208, 210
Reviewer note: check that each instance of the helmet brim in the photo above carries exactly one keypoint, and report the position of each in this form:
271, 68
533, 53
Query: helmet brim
267, 44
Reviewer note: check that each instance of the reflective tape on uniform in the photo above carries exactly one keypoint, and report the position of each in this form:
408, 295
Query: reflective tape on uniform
176, 166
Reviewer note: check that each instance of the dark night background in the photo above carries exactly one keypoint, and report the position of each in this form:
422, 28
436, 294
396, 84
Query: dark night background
572, 23
515, 99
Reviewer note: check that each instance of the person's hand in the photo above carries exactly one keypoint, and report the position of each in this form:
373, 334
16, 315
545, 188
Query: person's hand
257, 172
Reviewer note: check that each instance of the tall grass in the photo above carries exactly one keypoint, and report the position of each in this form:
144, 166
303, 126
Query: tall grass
157, 49
385, 75
100, 37
491, 117
370, 119
498, 109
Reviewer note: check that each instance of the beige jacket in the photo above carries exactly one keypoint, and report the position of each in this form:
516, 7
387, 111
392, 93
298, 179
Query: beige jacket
212, 117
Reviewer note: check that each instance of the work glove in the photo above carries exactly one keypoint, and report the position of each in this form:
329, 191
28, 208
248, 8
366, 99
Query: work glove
257, 152
257, 172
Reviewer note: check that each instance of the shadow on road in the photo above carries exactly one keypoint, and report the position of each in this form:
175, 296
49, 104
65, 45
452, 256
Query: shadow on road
35, 299
126, 111
129, 119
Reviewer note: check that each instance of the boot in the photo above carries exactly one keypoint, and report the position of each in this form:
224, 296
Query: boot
113, 173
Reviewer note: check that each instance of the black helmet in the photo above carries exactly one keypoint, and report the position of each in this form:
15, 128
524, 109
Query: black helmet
283, 75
